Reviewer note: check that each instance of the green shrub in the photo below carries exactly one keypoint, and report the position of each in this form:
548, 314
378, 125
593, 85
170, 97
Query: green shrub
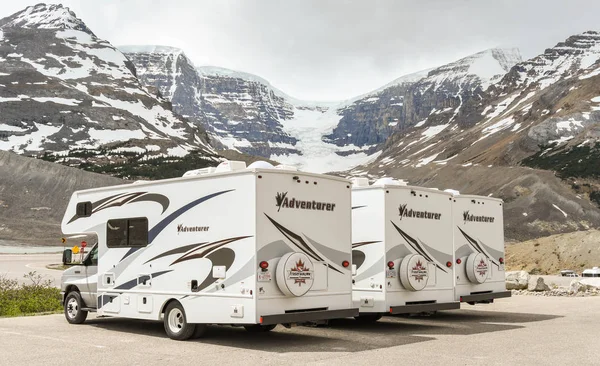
36, 296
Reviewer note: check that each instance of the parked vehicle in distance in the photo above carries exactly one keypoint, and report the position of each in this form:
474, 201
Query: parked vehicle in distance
568, 273
253, 247
594, 272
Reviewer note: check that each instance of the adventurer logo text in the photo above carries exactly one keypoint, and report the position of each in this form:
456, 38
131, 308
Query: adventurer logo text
283, 201
468, 217
409, 212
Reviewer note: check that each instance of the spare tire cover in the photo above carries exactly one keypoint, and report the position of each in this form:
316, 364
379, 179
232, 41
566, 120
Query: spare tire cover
295, 274
477, 267
414, 273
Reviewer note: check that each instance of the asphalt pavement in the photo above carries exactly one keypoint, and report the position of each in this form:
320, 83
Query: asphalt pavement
525, 330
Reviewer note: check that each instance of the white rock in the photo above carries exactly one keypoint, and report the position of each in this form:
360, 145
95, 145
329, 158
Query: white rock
517, 280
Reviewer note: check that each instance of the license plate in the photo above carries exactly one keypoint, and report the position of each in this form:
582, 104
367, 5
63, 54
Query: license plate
264, 277
390, 273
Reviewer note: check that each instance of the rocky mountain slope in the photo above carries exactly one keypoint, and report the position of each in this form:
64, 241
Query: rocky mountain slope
34, 195
549, 255
63, 89
429, 97
542, 113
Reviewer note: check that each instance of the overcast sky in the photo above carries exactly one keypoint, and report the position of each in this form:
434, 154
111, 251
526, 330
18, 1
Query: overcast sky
332, 50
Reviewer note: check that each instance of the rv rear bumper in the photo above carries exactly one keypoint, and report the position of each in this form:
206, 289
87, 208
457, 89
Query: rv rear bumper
485, 297
308, 316
424, 308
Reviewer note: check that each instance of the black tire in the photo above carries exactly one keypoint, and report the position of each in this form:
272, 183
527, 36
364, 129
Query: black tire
73, 308
368, 318
175, 321
259, 328
199, 331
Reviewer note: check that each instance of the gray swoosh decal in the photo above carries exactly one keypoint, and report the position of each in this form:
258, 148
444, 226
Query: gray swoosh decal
397, 252
158, 228
272, 250
464, 251
441, 257
371, 271
154, 197
132, 283
478, 248
177, 250
417, 247
220, 257
333, 255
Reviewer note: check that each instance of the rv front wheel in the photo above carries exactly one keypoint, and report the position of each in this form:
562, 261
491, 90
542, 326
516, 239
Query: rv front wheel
176, 324
259, 328
73, 308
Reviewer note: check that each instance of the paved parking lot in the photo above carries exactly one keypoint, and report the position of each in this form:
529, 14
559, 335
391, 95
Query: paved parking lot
522, 329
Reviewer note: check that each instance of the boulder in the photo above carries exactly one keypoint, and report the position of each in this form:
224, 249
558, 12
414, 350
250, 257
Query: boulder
517, 280
537, 284
576, 287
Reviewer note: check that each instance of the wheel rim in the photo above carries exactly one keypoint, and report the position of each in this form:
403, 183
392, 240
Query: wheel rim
176, 321
72, 308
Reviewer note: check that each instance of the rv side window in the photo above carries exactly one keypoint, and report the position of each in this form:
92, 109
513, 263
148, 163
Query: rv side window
123, 233
138, 232
84, 209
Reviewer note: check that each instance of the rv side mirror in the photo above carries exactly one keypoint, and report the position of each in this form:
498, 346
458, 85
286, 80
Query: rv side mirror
67, 256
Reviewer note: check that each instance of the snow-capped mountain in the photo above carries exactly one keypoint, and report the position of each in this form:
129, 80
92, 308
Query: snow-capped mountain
244, 112
62, 88
428, 97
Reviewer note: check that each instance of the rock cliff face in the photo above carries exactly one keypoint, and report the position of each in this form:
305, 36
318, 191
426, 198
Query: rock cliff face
62, 89
240, 111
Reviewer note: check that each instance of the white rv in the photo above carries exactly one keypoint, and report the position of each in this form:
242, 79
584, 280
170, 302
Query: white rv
401, 249
479, 249
255, 246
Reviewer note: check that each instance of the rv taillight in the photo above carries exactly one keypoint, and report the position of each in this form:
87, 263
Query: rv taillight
458, 261
264, 265
448, 264
345, 264
501, 260
390, 264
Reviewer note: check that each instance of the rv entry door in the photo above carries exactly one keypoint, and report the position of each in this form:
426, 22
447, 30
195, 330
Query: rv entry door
91, 277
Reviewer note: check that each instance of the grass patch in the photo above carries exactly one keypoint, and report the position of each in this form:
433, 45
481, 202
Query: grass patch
34, 297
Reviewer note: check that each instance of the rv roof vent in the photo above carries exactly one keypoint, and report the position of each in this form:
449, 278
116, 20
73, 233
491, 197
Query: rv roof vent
453, 191
389, 182
286, 167
360, 182
259, 164
229, 166
202, 171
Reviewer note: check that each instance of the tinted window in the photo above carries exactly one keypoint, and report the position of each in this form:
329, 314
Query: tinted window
127, 233
84, 209
138, 232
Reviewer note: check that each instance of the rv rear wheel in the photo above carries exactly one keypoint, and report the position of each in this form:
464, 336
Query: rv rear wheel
176, 324
259, 328
368, 318
73, 308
